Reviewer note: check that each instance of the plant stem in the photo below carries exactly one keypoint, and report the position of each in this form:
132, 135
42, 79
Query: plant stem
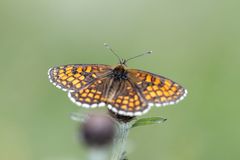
98, 154
120, 141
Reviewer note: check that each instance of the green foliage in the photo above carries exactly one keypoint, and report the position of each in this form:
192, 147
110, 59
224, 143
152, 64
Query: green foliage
148, 121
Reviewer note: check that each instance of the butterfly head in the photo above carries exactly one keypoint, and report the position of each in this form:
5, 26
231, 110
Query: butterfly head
119, 72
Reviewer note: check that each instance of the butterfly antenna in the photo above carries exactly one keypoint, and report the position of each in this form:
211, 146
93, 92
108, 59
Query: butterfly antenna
148, 52
111, 50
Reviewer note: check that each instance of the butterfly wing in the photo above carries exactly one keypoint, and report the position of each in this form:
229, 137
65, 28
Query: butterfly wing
125, 100
74, 77
94, 95
157, 90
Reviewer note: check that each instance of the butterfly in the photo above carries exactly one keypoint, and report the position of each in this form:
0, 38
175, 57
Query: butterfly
127, 92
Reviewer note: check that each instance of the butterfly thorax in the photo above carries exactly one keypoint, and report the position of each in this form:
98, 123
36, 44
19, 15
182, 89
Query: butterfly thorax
119, 73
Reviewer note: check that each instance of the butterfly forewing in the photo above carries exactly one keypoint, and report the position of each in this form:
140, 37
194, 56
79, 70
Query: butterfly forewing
75, 77
157, 90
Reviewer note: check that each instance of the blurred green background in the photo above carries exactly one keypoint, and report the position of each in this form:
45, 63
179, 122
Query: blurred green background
194, 42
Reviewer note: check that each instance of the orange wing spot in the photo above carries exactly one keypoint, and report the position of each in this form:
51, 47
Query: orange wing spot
79, 69
131, 93
69, 68
135, 97
93, 91
166, 94
131, 104
61, 71
130, 109
126, 97
81, 99
137, 103
94, 76
155, 88
174, 89
145, 92
87, 90
70, 79
69, 71
104, 99
120, 97
83, 82
78, 85
97, 96
159, 93
153, 94
84, 95
168, 82
163, 99
82, 78
88, 100
131, 100
75, 81
64, 83
125, 102
58, 80
148, 97
118, 101
149, 78
98, 92
157, 81
139, 83
70, 74
77, 75
149, 88
169, 98
60, 75
170, 92
124, 107
166, 87
64, 77
90, 95
89, 68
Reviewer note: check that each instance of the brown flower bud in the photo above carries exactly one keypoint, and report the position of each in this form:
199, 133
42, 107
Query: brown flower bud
98, 130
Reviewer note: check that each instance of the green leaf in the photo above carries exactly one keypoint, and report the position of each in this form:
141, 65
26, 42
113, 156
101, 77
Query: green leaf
148, 121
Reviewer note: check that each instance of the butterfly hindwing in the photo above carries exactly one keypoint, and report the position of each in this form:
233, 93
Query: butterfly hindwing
126, 100
157, 90
92, 95
75, 76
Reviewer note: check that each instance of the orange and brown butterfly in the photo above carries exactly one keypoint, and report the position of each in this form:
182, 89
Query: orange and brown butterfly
128, 92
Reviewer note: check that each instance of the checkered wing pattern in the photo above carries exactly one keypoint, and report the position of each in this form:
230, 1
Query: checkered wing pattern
93, 95
157, 90
125, 99
75, 77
